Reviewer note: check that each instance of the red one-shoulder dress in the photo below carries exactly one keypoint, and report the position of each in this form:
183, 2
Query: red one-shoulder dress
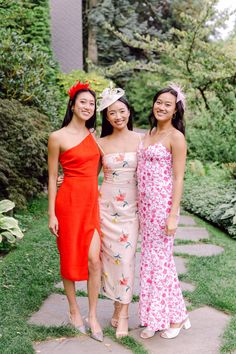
77, 208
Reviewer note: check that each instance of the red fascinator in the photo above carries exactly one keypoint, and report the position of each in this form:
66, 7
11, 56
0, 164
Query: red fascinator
77, 87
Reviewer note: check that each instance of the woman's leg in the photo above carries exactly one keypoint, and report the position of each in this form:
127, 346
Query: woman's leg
74, 312
123, 325
116, 314
94, 281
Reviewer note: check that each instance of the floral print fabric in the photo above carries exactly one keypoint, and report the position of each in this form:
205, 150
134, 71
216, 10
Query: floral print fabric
161, 300
119, 225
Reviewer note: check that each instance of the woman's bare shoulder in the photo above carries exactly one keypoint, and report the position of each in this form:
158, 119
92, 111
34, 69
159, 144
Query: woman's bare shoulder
56, 135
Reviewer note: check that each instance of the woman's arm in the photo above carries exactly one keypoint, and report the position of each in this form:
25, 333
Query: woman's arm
53, 156
179, 151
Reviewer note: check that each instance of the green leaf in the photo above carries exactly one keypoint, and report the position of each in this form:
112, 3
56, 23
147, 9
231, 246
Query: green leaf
6, 205
7, 223
228, 214
17, 232
8, 235
234, 220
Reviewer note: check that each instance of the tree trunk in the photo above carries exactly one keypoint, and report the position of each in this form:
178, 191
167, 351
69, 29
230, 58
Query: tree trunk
92, 37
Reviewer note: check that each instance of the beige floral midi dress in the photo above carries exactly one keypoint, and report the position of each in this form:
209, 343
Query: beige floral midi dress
119, 225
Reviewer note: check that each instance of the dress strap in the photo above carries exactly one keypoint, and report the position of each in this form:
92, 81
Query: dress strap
165, 136
100, 148
140, 138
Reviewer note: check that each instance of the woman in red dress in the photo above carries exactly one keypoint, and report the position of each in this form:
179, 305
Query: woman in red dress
73, 210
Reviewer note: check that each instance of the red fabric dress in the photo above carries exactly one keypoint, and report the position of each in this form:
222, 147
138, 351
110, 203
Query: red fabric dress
77, 208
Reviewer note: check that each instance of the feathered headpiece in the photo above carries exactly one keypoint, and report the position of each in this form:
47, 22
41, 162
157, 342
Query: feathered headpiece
77, 87
180, 94
109, 96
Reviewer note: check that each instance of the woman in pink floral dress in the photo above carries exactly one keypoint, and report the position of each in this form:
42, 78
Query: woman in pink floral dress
161, 165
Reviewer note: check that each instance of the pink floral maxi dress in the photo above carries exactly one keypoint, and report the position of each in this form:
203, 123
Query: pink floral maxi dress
161, 300
119, 225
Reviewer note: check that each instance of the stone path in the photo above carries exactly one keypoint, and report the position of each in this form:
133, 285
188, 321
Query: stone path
207, 323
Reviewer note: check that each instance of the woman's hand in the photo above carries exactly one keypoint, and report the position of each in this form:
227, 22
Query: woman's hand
60, 180
53, 225
171, 225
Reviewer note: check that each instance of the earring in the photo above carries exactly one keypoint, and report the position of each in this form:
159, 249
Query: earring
174, 116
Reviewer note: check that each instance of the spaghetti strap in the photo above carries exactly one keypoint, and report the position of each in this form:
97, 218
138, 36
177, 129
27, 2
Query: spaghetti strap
164, 137
100, 148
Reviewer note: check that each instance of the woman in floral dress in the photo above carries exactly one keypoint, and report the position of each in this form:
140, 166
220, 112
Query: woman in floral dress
161, 165
118, 204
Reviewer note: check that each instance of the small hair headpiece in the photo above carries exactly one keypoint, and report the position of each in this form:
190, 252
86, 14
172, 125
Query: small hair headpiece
180, 94
77, 87
109, 96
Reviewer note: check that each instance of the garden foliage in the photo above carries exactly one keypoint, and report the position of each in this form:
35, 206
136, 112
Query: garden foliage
23, 153
28, 18
28, 75
211, 195
10, 231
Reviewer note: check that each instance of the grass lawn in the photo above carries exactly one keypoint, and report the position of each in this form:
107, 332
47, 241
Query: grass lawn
28, 275
215, 280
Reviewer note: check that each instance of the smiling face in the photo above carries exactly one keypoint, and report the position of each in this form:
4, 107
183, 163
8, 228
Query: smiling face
84, 106
118, 115
165, 107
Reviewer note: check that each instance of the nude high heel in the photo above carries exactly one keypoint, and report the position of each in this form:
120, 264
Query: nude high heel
121, 334
95, 335
174, 332
81, 329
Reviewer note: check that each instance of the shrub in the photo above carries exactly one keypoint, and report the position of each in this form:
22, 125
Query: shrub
212, 196
27, 74
23, 152
9, 228
29, 18
211, 134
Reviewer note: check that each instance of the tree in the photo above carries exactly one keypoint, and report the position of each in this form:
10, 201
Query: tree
92, 36
195, 58
130, 17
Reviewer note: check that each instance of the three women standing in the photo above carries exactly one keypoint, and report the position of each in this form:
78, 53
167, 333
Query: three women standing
161, 164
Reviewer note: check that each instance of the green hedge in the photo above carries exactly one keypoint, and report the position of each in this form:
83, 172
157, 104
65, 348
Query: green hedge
29, 18
211, 134
27, 74
212, 196
23, 152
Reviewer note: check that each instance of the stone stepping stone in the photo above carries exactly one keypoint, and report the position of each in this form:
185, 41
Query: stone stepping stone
186, 220
191, 233
54, 312
180, 264
204, 336
186, 286
79, 345
200, 250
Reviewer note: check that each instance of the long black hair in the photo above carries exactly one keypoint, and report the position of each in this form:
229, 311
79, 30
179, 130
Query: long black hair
91, 122
178, 119
107, 128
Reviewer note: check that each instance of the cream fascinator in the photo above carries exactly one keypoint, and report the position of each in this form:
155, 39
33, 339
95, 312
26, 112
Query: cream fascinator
109, 96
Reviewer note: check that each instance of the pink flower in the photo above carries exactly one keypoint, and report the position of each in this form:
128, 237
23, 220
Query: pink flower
120, 197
